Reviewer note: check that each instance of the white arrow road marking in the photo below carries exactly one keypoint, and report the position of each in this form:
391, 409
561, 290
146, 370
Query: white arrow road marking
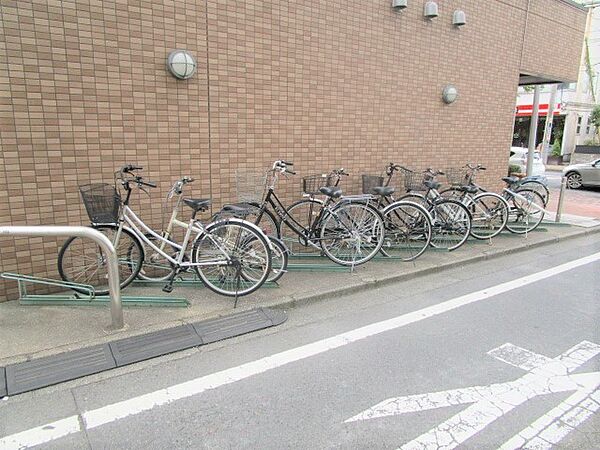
488, 403
136, 405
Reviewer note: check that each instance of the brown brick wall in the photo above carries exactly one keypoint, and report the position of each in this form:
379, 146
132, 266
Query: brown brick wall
84, 89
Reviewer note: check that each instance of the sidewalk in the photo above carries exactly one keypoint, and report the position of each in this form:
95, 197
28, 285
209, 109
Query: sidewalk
28, 332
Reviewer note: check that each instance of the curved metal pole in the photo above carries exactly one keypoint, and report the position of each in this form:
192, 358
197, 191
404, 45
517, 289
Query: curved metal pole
116, 308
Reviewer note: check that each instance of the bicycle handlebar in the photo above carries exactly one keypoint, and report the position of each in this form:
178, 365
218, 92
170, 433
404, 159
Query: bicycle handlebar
477, 167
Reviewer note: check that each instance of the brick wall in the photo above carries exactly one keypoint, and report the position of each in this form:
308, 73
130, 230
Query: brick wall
352, 83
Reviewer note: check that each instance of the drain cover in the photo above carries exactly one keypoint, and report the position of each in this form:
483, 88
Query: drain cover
151, 345
43, 372
214, 330
2, 382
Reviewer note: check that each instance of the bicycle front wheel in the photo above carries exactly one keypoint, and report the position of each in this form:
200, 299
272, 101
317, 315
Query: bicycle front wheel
526, 212
81, 260
451, 224
233, 259
489, 214
352, 233
301, 215
407, 230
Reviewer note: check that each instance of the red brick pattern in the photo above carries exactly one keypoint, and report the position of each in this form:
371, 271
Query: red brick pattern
352, 83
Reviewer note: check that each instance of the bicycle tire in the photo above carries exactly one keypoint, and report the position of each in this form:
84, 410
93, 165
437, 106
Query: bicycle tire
242, 242
339, 227
82, 254
445, 224
408, 230
279, 261
419, 199
489, 214
536, 186
516, 223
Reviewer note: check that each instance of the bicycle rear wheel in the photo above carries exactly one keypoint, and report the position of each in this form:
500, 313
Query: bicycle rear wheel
235, 258
489, 213
537, 186
526, 213
352, 233
407, 230
451, 224
81, 260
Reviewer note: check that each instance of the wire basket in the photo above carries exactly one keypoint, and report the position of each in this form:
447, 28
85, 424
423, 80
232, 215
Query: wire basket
102, 202
371, 181
413, 181
312, 183
250, 186
458, 177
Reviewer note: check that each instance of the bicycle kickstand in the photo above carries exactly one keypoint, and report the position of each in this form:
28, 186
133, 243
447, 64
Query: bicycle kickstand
168, 288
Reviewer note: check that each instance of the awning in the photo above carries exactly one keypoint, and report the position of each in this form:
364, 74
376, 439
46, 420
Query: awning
527, 110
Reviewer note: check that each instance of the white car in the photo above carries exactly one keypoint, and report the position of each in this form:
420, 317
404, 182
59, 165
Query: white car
518, 157
584, 174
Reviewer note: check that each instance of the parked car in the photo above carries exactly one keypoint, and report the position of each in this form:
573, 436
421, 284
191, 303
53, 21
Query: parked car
584, 174
518, 157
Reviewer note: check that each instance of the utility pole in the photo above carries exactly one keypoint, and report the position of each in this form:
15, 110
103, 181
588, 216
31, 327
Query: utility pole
533, 126
548, 125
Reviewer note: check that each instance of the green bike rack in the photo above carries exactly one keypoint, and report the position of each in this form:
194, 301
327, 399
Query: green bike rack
85, 297
192, 280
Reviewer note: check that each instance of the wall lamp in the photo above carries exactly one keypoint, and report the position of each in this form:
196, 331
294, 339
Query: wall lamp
399, 4
459, 18
431, 10
181, 64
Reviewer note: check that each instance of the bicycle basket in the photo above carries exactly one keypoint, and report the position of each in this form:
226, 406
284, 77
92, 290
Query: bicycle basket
413, 181
457, 177
250, 186
371, 181
312, 183
102, 202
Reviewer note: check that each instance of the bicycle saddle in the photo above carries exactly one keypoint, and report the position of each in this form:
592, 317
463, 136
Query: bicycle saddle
197, 204
384, 191
331, 191
510, 180
468, 189
432, 184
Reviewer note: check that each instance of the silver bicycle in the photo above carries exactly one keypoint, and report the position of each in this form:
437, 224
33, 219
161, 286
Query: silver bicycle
232, 256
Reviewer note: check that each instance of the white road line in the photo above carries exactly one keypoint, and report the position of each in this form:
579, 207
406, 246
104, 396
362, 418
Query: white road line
41, 435
136, 405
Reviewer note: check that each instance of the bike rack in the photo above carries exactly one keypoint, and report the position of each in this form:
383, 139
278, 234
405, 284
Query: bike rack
86, 296
116, 307
193, 280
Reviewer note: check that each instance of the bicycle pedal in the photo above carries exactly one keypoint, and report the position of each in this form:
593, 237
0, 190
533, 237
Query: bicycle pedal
168, 288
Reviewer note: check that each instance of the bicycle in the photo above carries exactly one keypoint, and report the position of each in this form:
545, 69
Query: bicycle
489, 211
525, 206
158, 268
408, 228
349, 232
451, 220
231, 257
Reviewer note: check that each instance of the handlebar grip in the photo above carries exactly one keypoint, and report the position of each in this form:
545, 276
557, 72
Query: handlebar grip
290, 172
148, 183
287, 163
482, 168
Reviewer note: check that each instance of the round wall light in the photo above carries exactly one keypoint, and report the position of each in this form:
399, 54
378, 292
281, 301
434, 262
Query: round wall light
431, 10
181, 64
399, 4
459, 18
450, 94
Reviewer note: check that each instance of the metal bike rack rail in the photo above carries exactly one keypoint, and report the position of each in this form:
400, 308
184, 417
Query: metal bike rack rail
116, 307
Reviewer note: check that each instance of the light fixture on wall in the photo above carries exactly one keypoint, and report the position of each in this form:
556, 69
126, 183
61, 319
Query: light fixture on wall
450, 94
431, 10
399, 4
459, 18
181, 64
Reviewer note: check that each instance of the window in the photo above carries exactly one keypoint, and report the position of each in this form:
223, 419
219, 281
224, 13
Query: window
588, 125
579, 118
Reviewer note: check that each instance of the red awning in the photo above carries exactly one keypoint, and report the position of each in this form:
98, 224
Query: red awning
526, 110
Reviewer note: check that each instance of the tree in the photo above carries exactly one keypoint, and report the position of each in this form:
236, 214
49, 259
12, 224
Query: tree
595, 119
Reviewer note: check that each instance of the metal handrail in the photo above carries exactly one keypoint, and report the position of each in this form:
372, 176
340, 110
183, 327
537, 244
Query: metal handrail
114, 290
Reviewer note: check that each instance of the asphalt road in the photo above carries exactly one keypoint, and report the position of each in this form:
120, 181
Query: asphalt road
501, 353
